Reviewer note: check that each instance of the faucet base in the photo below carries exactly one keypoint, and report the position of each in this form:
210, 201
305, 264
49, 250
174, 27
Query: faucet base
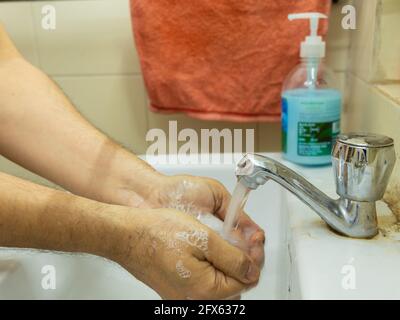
360, 216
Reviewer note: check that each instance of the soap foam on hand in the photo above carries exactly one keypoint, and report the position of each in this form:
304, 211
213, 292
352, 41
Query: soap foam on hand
228, 229
211, 221
224, 229
216, 224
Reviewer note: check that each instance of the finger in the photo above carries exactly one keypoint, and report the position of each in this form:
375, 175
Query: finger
258, 237
250, 243
244, 222
227, 287
232, 261
214, 283
256, 253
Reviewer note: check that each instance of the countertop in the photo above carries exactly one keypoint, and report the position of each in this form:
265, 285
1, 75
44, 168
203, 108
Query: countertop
326, 265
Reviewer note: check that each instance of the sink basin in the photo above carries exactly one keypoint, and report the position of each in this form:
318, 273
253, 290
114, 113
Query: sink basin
89, 277
304, 258
326, 265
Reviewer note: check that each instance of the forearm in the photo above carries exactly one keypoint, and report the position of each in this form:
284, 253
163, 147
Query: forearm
33, 216
43, 132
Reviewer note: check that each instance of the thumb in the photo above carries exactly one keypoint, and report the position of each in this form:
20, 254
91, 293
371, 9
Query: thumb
231, 261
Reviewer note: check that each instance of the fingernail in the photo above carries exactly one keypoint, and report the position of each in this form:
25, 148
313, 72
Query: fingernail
260, 241
252, 273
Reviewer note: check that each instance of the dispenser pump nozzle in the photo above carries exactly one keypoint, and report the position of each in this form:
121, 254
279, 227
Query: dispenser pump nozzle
313, 46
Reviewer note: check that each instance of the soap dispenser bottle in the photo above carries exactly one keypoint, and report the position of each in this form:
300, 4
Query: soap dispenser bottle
311, 103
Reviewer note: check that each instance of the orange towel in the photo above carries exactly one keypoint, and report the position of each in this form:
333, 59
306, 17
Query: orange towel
219, 59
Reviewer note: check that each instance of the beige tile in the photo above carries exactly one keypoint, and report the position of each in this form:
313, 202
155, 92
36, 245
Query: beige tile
389, 41
337, 36
361, 59
372, 111
337, 59
375, 45
338, 39
392, 91
341, 81
161, 121
18, 21
269, 137
91, 37
11, 168
114, 104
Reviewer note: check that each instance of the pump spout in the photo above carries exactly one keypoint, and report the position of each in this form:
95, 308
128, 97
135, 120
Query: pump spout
312, 46
314, 20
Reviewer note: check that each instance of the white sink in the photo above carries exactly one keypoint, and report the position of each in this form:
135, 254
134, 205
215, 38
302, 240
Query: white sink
304, 259
90, 277
326, 265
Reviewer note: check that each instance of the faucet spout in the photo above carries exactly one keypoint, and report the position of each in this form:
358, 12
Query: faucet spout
349, 217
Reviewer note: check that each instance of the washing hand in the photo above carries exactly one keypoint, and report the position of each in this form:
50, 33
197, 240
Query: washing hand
196, 195
182, 259
164, 248
168, 250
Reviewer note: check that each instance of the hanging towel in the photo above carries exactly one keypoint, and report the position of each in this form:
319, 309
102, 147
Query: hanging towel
219, 59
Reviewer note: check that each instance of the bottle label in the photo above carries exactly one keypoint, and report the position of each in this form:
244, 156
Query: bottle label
310, 124
284, 125
316, 139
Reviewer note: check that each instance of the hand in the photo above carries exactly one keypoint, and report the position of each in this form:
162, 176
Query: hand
180, 258
196, 195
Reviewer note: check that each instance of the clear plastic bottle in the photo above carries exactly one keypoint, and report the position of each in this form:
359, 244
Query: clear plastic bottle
311, 103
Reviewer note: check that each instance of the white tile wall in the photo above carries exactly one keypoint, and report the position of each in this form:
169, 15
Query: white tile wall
375, 44
92, 56
392, 91
91, 37
114, 104
18, 21
388, 53
374, 102
362, 40
183, 121
15, 170
269, 137
338, 40
373, 111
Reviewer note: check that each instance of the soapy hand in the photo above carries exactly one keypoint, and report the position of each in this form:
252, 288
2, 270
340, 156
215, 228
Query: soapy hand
181, 258
197, 195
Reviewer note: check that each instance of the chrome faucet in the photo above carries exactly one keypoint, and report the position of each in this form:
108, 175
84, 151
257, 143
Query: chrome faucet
362, 165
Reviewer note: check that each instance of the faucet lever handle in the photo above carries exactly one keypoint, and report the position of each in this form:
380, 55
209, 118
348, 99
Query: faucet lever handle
362, 165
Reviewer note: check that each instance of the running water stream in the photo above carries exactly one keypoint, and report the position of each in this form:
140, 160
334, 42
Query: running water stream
238, 201
227, 227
